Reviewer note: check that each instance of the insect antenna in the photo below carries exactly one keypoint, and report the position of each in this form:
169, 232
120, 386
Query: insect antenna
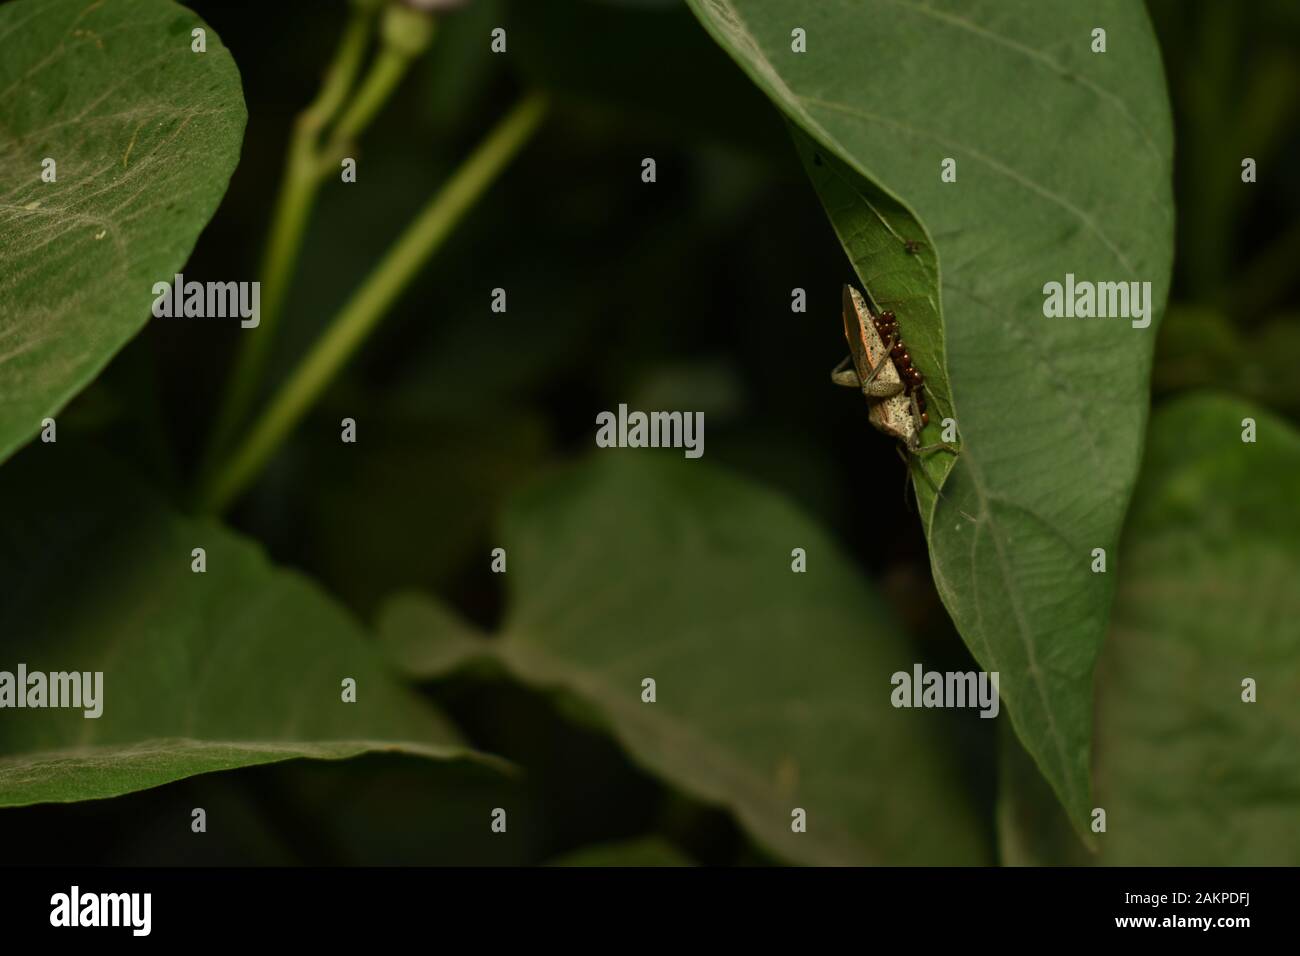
907, 478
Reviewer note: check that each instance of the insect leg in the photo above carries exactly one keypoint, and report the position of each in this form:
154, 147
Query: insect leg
907, 477
922, 450
913, 459
872, 388
844, 374
893, 340
918, 449
909, 455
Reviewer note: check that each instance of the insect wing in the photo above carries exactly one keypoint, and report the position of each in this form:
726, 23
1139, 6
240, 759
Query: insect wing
865, 345
893, 416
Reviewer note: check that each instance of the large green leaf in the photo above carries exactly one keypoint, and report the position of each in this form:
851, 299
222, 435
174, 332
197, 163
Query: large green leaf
772, 686
1187, 772
1063, 167
144, 134
242, 664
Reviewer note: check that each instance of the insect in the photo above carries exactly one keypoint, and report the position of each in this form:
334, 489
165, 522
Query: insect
879, 365
912, 247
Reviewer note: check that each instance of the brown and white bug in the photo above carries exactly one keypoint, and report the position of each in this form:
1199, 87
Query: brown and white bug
879, 365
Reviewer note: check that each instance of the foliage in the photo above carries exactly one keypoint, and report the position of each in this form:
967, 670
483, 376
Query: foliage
777, 170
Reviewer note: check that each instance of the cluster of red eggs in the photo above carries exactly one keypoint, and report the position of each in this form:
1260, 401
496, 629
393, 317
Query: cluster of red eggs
913, 380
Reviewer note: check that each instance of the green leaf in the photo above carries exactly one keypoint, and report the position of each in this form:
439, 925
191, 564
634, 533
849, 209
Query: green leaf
364, 537
144, 134
772, 687
877, 231
1188, 773
382, 810
240, 665
1032, 828
1063, 167
647, 851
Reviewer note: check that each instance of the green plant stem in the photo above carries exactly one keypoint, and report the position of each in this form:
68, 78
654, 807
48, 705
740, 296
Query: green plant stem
342, 71
288, 223
371, 301
385, 74
406, 34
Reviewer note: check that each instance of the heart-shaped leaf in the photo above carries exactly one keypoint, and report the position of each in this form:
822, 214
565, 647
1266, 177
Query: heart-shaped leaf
234, 665
772, 687
1207, 601
1057, 142
116, 145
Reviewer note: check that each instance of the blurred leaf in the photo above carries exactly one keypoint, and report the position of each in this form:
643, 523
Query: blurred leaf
647, 851
237, 666
1270, 367
1188, 773
1200, 348
387, 810
772, 687
378, 809
145, 135
1069, 172
427, 639
712, 386
1197, 347
143, 828
393, 511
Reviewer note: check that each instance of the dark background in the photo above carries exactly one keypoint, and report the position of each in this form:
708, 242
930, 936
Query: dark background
672, 295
